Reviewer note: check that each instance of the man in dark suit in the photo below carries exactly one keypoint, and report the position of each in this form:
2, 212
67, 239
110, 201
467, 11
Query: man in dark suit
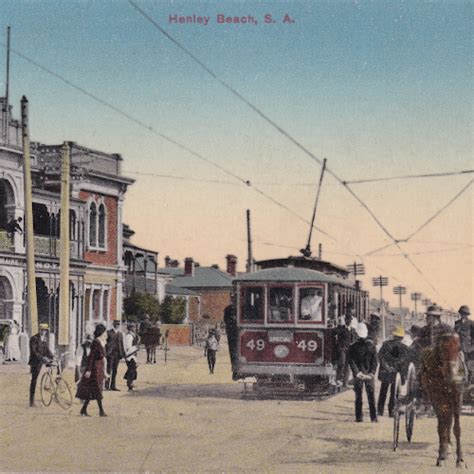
114, 352
39, 355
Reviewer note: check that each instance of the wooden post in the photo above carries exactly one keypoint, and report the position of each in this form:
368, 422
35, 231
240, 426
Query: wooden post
64, 313
29, 232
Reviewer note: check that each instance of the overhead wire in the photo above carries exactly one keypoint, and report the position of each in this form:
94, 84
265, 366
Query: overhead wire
278, 128
409, 176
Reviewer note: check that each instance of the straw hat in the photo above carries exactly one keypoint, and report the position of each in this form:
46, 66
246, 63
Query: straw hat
398, 331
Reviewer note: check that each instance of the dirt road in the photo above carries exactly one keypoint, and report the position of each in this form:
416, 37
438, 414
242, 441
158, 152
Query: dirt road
182, 419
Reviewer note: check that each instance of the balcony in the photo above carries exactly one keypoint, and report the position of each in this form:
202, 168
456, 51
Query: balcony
51, 247
6, 243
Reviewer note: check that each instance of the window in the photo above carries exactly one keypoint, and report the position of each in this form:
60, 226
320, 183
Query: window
105, 305
252, 304
311, 304
93, 225
96, 305
280, 305
102, 226
87, 302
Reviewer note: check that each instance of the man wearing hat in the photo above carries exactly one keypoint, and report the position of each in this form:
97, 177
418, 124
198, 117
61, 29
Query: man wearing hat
114, 352
464, 327
362, 358
345, 336
393, 358
373, 327
39, 355
434, 328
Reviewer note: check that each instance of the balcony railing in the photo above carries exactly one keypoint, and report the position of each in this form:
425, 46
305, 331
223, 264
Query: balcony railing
51, 247
6, 242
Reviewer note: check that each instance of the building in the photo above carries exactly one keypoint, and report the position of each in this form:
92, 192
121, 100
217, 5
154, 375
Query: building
95, 217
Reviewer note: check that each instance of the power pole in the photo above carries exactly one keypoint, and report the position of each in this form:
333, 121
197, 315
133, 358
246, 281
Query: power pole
6, 111
381, 281
249, 244
30, 240
63, 329
416, 297
400, 290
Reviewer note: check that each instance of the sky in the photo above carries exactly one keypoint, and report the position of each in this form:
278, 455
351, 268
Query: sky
379, 89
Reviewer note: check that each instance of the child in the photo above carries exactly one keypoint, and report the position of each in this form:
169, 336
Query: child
210, 349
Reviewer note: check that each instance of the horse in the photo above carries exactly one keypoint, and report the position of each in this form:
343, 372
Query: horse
443, 377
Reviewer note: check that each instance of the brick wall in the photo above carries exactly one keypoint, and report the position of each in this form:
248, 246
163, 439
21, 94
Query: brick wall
193, 308
213, 303
109, 256
179, 334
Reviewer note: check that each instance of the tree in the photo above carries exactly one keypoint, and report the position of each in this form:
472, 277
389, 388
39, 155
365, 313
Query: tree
138, 304
173, 310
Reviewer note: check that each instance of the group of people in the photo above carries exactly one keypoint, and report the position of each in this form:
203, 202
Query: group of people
359, 353
97, 361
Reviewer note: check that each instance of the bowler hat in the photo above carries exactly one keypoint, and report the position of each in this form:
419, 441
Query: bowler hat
116, 322
464, 310
99, 330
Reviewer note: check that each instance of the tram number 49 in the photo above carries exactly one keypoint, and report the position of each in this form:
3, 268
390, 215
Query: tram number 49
305, 345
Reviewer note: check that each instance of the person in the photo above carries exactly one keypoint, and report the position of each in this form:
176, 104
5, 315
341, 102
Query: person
311, 306
210, 349
345, 336
14, 226
114, 352
434, 328
362, 358
131, 349
91, 383
231, 330
39, 355
373, 328
82, 355
13, 345
153, 340
392, 357
464, 328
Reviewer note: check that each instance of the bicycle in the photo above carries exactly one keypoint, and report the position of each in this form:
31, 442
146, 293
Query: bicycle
53, 386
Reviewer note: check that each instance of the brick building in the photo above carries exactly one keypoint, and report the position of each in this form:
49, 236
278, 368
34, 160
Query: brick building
96, 204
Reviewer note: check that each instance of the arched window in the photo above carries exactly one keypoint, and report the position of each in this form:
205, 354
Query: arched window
102, 223
93, 225
72, 224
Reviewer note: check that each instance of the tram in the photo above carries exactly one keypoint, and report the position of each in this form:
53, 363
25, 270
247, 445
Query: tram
286, 313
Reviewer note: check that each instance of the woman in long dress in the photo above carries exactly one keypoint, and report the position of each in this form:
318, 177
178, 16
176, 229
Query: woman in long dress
13, 346
92, 382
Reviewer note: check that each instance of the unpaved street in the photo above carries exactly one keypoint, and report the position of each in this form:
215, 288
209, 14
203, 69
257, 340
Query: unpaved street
182, 419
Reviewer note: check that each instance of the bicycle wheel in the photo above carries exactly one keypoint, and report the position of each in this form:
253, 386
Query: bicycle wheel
63, 394
410, 420
396, 413
47, 389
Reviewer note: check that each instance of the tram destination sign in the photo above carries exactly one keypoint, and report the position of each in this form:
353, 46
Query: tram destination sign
280, 336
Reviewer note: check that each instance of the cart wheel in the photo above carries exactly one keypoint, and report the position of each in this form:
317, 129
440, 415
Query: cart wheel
396, 412
47, 389
410, 420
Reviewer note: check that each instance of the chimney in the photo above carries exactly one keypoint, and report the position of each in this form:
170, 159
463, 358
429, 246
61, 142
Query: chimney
231, 264
188, 267
167, 261
174, 263
215, 266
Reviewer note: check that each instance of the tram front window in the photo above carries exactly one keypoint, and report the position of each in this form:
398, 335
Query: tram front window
311, 303
252, 304
281, 304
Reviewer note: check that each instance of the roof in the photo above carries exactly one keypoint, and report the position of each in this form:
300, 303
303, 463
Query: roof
204, 277
178, 291
290, 274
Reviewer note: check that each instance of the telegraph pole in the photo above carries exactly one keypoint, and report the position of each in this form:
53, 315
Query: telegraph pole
381, 281
416, 297
400, 290
64, 315
30, 240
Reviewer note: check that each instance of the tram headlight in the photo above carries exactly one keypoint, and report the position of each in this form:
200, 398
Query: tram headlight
281, 351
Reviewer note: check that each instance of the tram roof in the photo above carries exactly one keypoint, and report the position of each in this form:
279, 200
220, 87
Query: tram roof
290, 274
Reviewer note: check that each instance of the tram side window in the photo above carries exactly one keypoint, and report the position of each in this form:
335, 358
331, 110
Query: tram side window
311, 304
281, 304
252, 304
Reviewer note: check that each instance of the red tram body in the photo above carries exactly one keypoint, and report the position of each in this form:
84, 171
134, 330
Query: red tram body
286, 314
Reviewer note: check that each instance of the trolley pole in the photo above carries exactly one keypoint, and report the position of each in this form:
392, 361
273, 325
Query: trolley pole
30, 240
63, 330
249, 244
